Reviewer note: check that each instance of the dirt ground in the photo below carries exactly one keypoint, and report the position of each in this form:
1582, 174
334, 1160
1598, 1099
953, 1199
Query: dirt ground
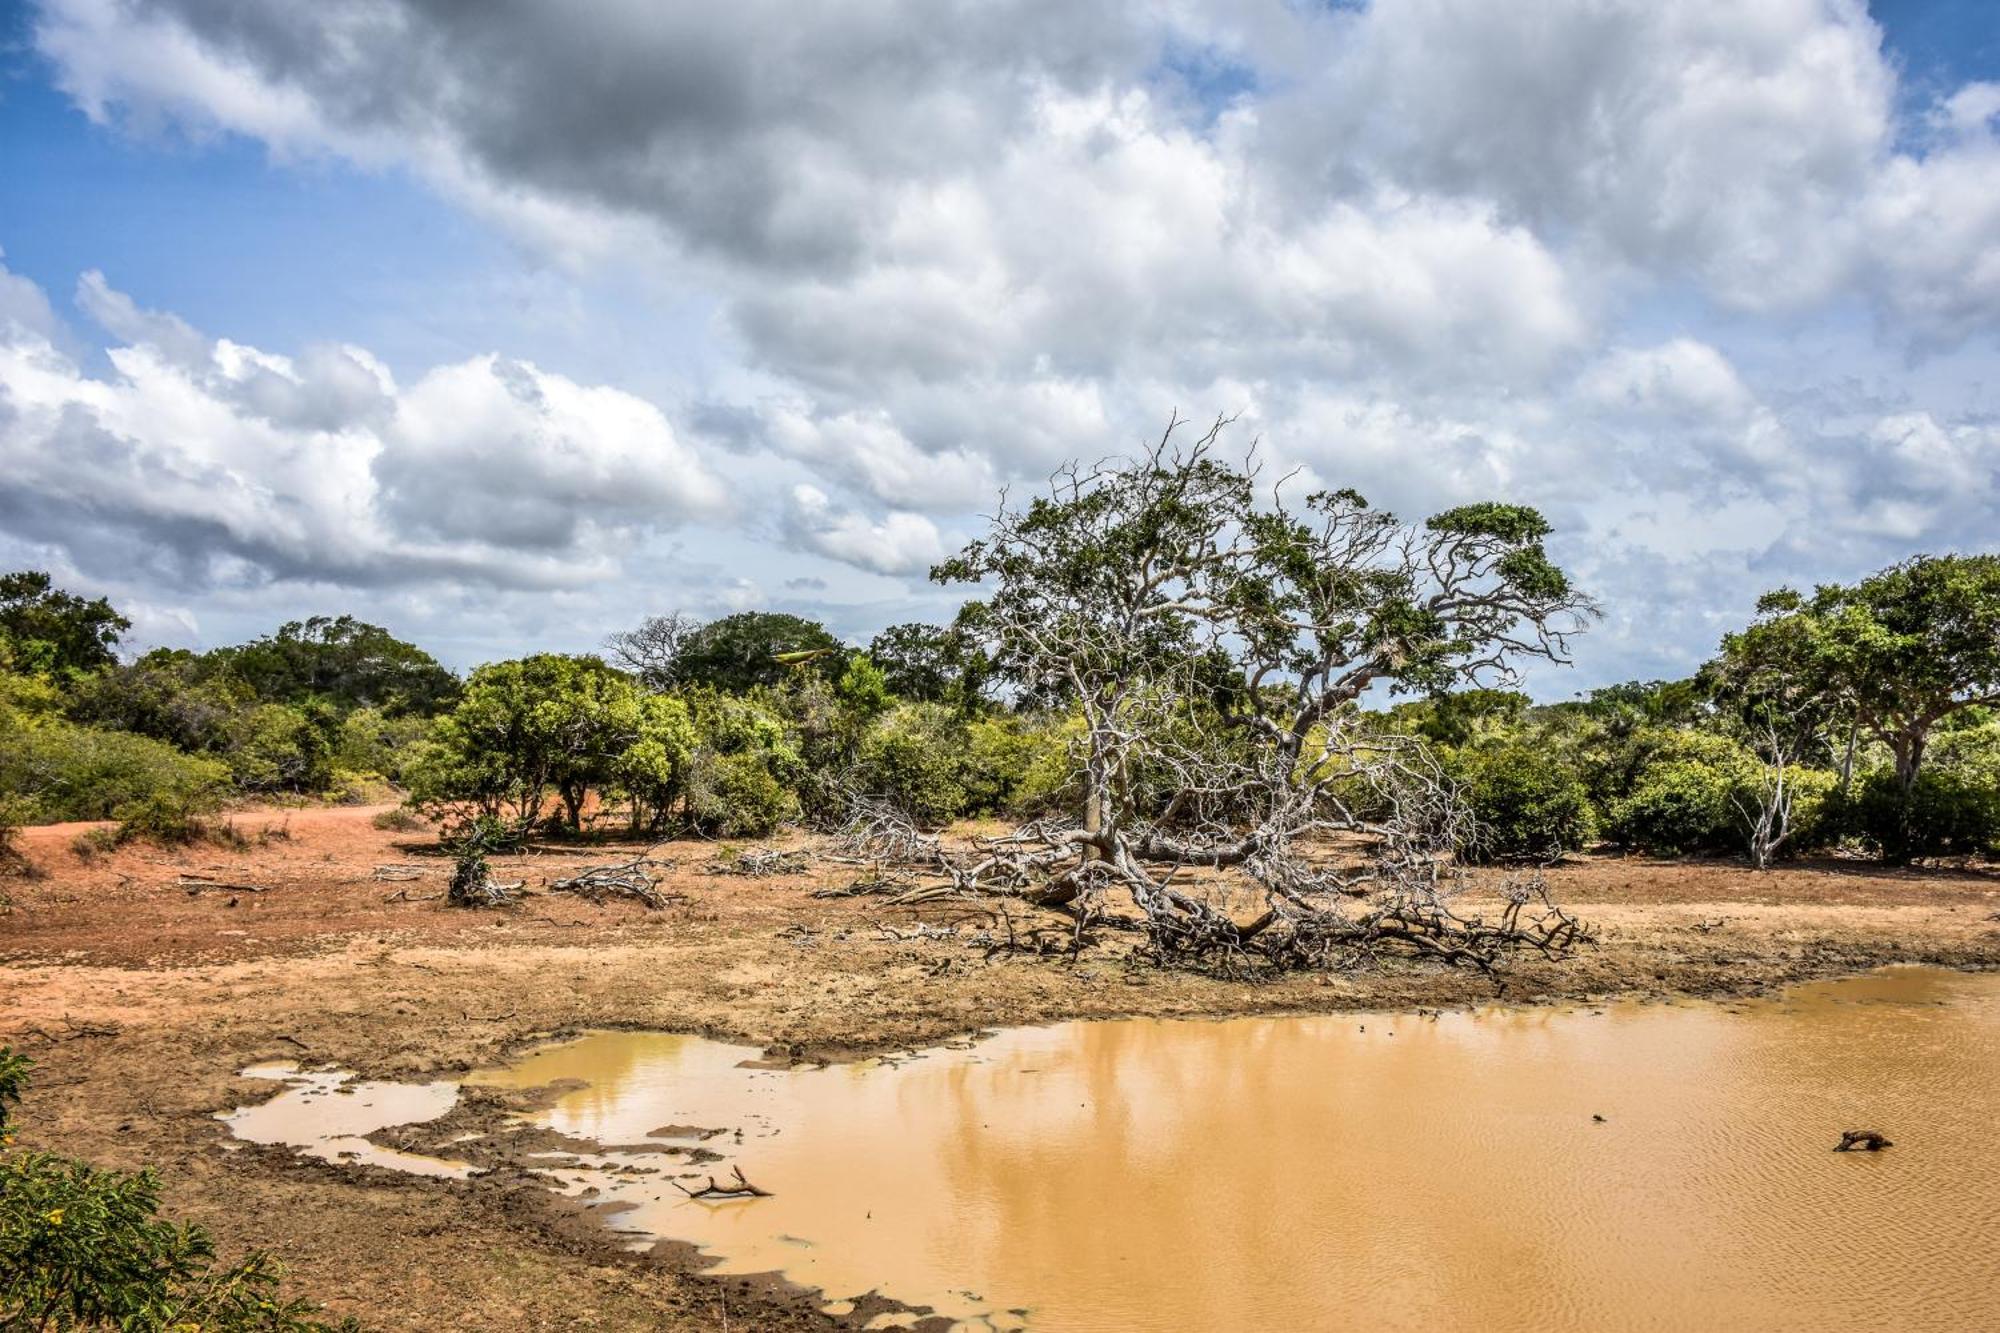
142, 997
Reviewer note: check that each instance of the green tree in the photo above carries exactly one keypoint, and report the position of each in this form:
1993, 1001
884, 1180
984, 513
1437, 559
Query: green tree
752, 648
524, 729
344, 662
931, 663
49, 630
1898, 653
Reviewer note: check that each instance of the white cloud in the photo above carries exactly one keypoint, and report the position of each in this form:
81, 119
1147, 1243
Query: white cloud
221, 463
1438, 249
898, 543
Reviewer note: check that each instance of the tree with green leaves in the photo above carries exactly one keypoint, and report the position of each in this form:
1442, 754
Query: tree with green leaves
752, 648
48, 630
525, 729
931, 663
1216, 638
1894, 654
344, 662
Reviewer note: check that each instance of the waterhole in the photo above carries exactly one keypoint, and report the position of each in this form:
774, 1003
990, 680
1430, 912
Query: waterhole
1622, 1167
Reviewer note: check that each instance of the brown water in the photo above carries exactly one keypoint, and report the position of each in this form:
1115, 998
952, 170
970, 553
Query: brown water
1369, 1171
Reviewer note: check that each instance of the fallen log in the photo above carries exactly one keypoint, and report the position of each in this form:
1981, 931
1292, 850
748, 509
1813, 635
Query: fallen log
199, 883
742, 1189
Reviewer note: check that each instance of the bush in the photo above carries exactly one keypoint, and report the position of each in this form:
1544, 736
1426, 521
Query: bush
82, 1248
1946, 813
1683, 800
402, 819
93, 843
1525, 807
736, 796
62, 771
371, 741
915, 758
999, 752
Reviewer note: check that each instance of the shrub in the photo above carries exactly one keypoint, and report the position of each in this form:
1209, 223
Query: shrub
1525, 807
1947, 812
1050, 779
82, 1248
401, 819
93, 843
1683, 800
915, 758
736, 796
371, 741
63, 771
999, 752
11, 860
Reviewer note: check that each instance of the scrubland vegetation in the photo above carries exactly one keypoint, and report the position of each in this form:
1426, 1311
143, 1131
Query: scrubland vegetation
1853, 717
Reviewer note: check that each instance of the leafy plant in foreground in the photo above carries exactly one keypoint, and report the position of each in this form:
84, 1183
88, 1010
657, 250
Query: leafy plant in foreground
83, 1248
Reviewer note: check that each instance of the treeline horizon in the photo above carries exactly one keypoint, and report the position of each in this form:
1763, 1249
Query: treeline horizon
1869, 706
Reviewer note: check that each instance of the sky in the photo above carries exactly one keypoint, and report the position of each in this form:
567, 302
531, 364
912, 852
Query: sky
506, 325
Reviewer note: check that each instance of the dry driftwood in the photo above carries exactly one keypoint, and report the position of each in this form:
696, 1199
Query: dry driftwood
741, 1189
622, 879
757, 862
202, 883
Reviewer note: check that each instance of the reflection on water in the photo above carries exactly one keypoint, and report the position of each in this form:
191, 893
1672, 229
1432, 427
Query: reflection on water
1367, 1171
326, 1114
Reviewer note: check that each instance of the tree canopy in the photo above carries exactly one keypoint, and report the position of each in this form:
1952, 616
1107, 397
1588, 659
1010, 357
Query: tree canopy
752, 648
1897, 652
46, 629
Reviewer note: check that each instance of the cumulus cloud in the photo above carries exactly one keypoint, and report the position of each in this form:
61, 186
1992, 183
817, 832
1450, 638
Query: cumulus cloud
218, 463
1436, 249
897, 543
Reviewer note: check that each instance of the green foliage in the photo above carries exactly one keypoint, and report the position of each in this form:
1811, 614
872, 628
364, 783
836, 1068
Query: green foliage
740, 652
918, 759
14, 1071
1525, 807
737, 796
1683, 799
1897, 652
344, 663
1945, 812
58, 771
524, 729
743, 766
53, 632
931, 663
82, 1248
371, 741
653, 770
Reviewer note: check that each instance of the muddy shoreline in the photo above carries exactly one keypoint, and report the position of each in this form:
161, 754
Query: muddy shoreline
143, 1001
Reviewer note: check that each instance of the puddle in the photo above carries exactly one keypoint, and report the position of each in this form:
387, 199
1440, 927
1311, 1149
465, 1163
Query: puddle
327, 1114
1362, 1171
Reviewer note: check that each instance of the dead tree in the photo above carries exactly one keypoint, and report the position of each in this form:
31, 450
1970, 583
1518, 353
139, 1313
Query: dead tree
1767, 814
623, 879
1215, 640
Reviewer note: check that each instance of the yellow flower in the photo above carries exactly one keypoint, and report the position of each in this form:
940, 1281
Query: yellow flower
55, 1218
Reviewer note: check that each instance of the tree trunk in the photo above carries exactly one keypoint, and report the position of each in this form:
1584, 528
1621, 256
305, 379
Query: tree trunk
572, 799
1909, 751
1847, 758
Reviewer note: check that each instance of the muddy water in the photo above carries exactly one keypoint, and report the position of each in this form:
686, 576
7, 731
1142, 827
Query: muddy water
328, 1114
1368, 1171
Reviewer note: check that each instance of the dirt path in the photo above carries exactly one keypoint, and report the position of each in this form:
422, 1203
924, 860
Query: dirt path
142, 1000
